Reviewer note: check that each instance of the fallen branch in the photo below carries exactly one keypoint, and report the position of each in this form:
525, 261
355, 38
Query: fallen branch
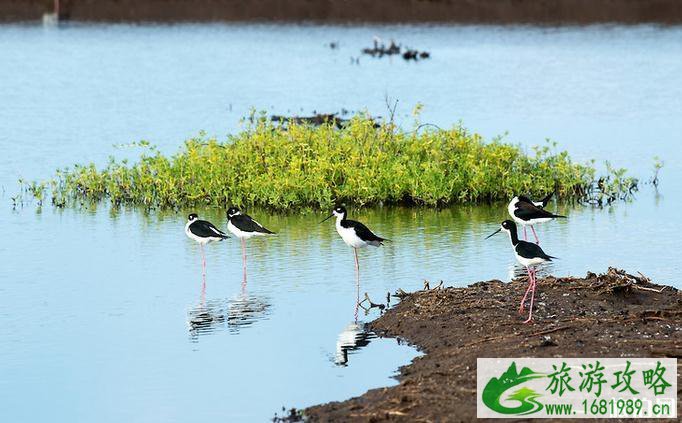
401, 294
545, 332
643, 288
371, 304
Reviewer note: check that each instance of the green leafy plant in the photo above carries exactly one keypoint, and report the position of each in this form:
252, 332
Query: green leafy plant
292, 166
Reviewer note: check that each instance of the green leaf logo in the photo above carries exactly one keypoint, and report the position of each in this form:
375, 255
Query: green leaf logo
527, 398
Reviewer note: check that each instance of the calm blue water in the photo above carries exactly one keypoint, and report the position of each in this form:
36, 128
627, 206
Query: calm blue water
103, 314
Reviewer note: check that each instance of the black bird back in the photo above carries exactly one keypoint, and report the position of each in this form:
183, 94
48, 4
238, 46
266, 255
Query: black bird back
205, 229
528, 211
245, 223
362, 231
531, 250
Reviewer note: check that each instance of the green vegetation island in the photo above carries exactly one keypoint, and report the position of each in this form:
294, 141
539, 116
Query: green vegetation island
360, 163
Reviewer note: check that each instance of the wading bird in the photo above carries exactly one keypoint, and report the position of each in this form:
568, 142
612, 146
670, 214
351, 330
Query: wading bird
244, 227
525, 212
529, 255
354, 234
203, 232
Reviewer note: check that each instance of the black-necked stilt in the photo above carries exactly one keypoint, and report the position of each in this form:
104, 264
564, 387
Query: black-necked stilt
354, 234
203, 232
529, 255
527, 213
244, 227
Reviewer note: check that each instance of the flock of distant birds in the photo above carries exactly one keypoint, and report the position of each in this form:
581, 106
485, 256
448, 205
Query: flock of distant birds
522, 210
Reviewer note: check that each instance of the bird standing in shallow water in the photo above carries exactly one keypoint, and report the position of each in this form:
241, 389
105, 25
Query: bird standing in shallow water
354, 234
529, 255
526, 212
244, 227
203, 232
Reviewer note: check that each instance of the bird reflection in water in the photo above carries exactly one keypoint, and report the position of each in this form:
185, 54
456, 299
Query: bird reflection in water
233, 314
206, 318
353, 337
245, 310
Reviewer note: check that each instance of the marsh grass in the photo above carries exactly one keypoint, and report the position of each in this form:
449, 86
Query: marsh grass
296, 166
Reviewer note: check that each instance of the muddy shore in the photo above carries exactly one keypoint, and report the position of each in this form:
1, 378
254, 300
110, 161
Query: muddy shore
388, 11
609, 315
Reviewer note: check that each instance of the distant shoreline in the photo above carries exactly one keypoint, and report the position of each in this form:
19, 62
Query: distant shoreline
544, 12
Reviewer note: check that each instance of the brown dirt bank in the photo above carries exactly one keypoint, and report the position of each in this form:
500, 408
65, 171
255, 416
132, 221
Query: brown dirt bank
609, 315
455, 11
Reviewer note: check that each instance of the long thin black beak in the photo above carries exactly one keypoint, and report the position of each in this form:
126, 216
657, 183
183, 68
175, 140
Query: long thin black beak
494, 233
328, 217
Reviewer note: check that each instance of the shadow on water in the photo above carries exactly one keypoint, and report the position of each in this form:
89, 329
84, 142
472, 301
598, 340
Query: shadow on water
219, 314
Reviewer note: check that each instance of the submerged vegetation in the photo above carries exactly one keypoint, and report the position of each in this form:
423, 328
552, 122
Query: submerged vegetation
362, 163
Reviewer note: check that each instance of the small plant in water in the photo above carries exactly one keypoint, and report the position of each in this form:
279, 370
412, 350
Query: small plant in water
283, 167
658, 165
